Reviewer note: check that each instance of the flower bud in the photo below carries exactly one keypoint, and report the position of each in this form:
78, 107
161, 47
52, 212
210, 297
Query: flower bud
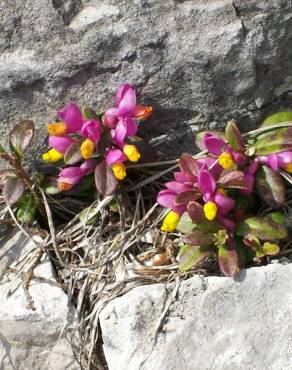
87, 148
210, 210
170, 222
119, 170
131, 152
52, 156
57, 129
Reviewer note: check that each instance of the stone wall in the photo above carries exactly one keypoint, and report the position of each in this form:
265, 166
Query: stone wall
197, 62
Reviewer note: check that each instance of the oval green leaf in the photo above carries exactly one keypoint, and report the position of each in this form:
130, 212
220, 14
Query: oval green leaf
190, 256
21, 136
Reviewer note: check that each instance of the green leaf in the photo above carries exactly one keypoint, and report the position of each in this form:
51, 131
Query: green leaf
274, 141
228, 260
199, 140
89, 113
263, 227
88, 216
252, 241
21, 136
278, 117
73, 154
13, 189
26, 210
105, 180
234, 137
185, 224
271, 249
199, 237
270, 186
190, 256
277, 217
50, 186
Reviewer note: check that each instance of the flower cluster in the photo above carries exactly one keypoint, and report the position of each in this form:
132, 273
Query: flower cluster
87, 139
215, 194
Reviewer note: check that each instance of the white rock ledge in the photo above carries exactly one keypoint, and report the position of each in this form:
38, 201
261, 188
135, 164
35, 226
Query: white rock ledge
214, 323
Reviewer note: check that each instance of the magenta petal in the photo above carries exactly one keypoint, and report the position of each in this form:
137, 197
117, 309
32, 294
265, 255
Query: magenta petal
88, 166
214, 144
122, 89
226, 222
240, 159
73, 118
120, 132
249, 183
132, 127
177, 187
180, 209
70, 175
166, 198
62, 114
208, 162
224, 203
253, 167
115, 156
180, 177
126, 101
284, 158
110, 118
273, 161
92, 130
207, 184
60, 143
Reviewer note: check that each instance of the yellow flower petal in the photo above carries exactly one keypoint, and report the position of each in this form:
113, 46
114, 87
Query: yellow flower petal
57, 129
87, 148
119, 170
131, 152
52, 156
225, 160
170, 222
210, 210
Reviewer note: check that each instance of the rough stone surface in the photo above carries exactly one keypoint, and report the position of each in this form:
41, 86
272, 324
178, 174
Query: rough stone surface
197, 62
29, 340
214, 323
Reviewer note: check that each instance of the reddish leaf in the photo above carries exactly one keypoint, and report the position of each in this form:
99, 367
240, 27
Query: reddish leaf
199, 237
187, 196
252, 241
73, 154
105, 180
228, 259
232, 179
189, 165
234, 137
21, 135
270, 186
196, 212
13, 189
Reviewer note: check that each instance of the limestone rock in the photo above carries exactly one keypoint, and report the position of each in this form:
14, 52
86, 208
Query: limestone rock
215, 323
29, 339
198, 63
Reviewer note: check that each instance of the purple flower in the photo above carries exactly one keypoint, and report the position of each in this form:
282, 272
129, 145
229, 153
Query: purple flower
277, 161
70, 176
91, 129
227, 157
216, 201
60, 143
115, 156
249, 177
72, 116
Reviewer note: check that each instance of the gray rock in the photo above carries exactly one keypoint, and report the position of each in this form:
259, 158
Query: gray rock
30, 340
214, 323
197, 62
